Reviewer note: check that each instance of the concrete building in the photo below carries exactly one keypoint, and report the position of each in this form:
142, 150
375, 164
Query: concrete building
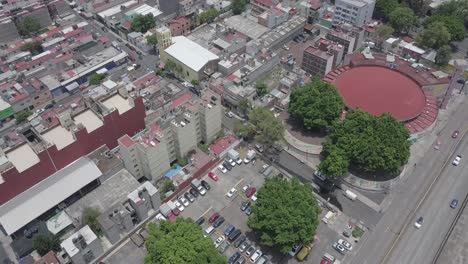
260, 6
164, 36
143, 199
169, 7
8, 31
180, 26
355, 12
117, 220
195, 61
6, 110
272, 18
350, 37
186, 7
83, 246
317, 62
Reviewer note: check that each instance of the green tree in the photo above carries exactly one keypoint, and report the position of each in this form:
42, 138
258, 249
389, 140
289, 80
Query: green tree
170, 65
261, 89
238, 6
143, 23
419, 7
453, 24
267, 128
29, 26
90, 217
316, 104
383, 8
244, 106
454, 8
443, 55
167, 185
285, 214
335, 165
385, 31
22, 116
152, 39
246, 130
43, 243
208, 16
96, 78
181, 241
194, 82
434, 36
371, 143
403, 19
33, 47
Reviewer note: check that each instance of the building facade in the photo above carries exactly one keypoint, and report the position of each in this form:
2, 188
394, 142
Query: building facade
355, 12
83, 246
317, 62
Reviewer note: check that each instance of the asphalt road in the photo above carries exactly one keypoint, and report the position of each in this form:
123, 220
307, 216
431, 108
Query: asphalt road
394, 239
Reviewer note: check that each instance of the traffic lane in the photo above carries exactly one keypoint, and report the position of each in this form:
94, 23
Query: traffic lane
357, 210
420, 246
377, 243
293, 165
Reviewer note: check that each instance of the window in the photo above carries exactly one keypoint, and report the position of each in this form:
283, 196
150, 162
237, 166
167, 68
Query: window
136, 165
37, 97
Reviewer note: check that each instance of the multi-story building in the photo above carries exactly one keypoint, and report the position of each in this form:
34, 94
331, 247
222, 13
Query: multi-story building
317, 62
347, 35
83, 246
164, 36
186, 7
272, 17
260, 6
355, 12
179, 26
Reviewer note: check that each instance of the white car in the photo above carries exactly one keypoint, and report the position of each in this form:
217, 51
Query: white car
245, 188
179, 206
256, 256
184, 201
246, 161
201, 190
219, 241
232, 162
345, 244
419, 222
222, 169
254, 197
457, 160
231, 192
160, 217
230, 114
239, 161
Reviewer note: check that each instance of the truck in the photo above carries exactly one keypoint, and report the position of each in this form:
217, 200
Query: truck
196, 184
115, 44
172, 205
251, 154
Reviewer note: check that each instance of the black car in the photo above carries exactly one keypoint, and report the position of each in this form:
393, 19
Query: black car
200, 221
218, 221
189, 197
227, 166
248, 211
138, 52
234, 235
193, 192
205, 185
245, 205
234, 258
239, 241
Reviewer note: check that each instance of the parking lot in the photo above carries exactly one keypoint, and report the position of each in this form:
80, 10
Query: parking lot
216, 200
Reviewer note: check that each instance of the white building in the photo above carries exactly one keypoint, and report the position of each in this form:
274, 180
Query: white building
355, 12
83, 246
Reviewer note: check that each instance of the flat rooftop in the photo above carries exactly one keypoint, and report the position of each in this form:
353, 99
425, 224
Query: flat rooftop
59, 136
245, 26
117, 101
89, 120
23, 157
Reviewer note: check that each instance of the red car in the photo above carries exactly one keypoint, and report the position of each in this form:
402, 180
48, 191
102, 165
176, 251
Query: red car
251, 191
176, 212
324, 261
131, 58
455, 134
171, 217
213, 176
213, 218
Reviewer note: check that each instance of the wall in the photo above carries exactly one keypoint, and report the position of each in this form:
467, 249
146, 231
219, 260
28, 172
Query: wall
114, 127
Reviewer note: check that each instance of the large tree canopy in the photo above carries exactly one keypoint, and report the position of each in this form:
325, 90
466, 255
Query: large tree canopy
453, 24
266, 128
143, 23
370, 143
454, 8
238, 6
181, 241
434, 36
403, 19
208, 16
316, 104
29, 26
285, 214
383, 8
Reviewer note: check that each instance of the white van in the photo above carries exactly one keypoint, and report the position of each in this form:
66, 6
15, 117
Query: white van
209, 230
328, 217
350, 195
329, 257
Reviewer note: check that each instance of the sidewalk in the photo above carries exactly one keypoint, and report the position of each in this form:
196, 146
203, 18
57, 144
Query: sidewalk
301, 146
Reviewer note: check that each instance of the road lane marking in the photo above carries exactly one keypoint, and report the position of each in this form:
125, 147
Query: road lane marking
204, 213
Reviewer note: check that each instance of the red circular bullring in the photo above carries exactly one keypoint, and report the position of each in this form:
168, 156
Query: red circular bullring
378, 89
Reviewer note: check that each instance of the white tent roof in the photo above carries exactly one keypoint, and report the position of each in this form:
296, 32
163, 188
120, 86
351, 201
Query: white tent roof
51, 191
190, 53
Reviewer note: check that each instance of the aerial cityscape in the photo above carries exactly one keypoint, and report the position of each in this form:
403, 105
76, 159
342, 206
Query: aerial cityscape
233, 131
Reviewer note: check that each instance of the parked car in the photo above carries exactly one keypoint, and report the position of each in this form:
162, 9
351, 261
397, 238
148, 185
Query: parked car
131, 58
455, 134
184, 201
244, 246
139, 52
339, 248
231, 162
251, 191
230, 114
214, 217
229, 230
222, 169
227, 165
205, 185
248, 211
218, 221
193, 192
234, 258
219, 241
245, 205
239, 161
345, 244
419, 222
200, 221
245, 188
234, 235
256, 255
454, 203
189, 197
240, 241
223, 247
231, 192
294, 250
213, 176
241, 260
250, 250
179, 206
201, 190
176, 211
457, 160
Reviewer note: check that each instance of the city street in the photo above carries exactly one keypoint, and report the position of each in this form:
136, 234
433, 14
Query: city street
427, 192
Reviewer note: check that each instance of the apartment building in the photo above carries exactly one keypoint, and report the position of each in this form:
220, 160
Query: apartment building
180, 26
317, 62
260, 6
355, 12
192, 119
83, 246
349, 36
